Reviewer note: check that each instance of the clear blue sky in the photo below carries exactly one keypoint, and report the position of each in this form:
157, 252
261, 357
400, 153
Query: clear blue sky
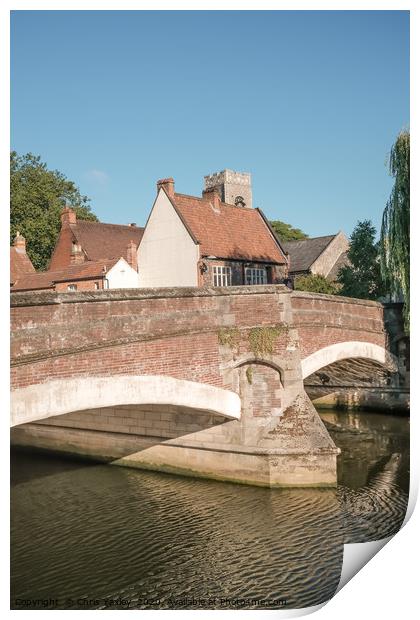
308, 102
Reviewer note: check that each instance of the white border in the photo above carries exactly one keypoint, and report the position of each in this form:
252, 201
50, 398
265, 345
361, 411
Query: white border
387, 585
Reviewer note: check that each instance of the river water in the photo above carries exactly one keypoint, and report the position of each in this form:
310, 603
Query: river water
88, 536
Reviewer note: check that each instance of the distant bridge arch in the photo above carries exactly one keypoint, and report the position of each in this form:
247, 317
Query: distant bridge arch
58, 397
347, 350
250, 358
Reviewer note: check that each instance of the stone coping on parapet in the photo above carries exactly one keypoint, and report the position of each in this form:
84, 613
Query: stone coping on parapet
41, 298
338, 299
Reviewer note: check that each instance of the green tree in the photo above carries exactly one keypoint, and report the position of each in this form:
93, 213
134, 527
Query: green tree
362, 278
37, 196
285, 232
395, 230
315, 283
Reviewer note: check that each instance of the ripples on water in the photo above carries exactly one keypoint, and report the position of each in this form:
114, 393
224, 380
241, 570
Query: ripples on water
96, 532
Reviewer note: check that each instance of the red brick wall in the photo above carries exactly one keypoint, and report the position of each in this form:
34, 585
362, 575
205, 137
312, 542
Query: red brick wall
323, 320
173, 332
261, 391
129, 332
82, 285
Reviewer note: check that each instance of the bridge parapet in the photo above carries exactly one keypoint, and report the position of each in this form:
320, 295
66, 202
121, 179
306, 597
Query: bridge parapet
325, 320
176, 332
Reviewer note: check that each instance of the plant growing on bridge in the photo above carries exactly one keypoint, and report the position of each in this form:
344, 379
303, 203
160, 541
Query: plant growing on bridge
262, 339
36, 198
229, 337
395, 231
249, 374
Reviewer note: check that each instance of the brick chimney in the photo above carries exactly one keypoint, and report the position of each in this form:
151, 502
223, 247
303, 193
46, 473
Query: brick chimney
68, 216
77, 257
132, 254
168, 185
19, 243
213, 196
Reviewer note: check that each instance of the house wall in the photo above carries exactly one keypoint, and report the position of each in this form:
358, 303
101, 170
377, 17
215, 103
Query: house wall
206, 279
275, 273
121, 275
326, 261
167, 256
82, 285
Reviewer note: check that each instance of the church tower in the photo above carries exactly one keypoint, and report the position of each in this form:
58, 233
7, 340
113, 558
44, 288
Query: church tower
233, 187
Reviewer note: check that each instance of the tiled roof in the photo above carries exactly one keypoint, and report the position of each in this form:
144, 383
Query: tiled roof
231, 232
100, 241
46, 279
20, 264
303, 253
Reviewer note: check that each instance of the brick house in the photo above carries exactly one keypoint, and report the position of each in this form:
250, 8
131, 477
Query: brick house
87, 256
319, 256
87, 276
80, 241
20, 263
217, 239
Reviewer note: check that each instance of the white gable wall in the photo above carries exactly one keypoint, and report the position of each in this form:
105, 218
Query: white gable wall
122, 275
167, 255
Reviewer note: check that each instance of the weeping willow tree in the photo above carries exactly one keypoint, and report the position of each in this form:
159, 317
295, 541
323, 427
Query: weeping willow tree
395, 231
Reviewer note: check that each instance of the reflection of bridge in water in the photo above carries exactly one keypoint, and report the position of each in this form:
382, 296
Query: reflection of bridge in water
376, 510
201, 381
117, 532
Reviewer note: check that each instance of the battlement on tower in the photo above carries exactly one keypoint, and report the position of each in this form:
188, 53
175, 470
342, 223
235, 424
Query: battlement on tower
233, 187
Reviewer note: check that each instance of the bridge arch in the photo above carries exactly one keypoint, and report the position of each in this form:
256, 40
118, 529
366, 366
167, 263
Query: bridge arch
346, 350
250, 358
58, 397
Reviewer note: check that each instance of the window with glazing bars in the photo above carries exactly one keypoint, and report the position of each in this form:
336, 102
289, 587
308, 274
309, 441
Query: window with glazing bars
255, 276
222, 276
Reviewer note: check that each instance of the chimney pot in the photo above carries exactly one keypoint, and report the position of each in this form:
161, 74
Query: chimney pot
19, 242
77, 256
168, 185
68, 216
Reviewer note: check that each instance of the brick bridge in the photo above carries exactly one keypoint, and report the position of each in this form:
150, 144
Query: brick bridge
200, 381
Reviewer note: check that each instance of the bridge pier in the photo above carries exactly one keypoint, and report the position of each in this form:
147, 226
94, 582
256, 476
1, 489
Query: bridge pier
263, 431
286, 451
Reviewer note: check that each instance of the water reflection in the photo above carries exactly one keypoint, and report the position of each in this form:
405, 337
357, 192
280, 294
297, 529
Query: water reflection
92, 532
373, 472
